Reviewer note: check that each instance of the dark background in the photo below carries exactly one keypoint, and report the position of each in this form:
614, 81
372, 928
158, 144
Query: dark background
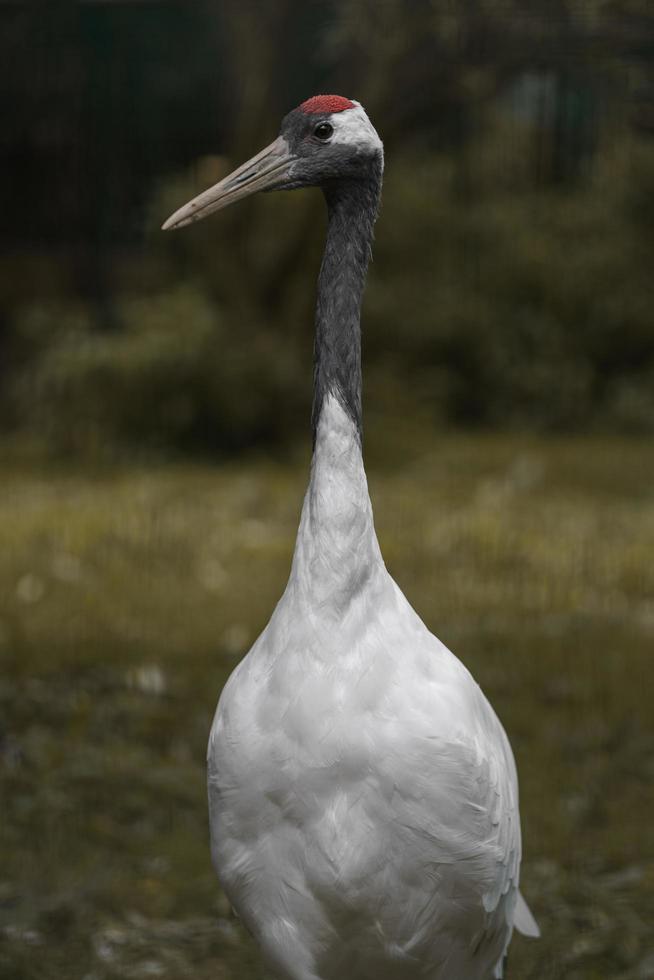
154, 424
512, 285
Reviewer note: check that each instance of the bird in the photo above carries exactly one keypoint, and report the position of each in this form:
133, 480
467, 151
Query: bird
363, 795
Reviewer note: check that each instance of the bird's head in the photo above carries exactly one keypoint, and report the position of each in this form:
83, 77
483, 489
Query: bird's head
325, 140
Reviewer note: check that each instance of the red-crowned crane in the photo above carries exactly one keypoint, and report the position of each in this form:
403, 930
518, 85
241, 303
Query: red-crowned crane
363, 795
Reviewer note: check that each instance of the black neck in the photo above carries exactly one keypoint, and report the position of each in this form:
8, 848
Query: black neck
352, 209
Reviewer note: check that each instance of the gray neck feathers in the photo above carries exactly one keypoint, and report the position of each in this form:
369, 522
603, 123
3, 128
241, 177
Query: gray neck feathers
352, 209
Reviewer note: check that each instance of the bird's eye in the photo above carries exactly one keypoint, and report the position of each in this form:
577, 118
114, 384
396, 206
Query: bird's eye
323, 130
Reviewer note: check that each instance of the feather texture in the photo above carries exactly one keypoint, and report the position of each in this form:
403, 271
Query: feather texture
363, 794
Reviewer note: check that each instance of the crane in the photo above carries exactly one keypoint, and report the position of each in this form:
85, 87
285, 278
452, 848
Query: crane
363, 795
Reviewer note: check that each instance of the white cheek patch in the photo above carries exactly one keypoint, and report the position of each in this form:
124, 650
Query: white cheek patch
353, 128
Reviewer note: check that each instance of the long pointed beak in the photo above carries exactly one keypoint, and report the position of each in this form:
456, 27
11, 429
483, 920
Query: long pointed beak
265, 171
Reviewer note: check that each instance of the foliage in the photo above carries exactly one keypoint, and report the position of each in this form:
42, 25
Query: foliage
171, 376
515, 305
491, 302
511, 285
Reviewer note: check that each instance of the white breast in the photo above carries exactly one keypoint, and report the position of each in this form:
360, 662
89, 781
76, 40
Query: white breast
363, 796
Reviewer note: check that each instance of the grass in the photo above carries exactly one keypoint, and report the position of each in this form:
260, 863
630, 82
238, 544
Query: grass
127, 597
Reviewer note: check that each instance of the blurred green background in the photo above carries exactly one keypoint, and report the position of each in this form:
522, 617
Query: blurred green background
154, 404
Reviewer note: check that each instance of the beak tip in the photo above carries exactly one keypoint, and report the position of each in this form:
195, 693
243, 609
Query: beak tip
185, 216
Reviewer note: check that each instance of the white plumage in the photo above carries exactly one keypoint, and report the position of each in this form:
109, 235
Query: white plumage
363, 795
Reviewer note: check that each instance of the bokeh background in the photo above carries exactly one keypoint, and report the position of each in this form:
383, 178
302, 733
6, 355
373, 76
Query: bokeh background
154, 406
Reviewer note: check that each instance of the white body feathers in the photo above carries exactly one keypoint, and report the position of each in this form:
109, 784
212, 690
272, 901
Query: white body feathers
363, 795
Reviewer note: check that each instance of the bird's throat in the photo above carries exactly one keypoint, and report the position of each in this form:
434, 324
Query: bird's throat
352, 209
337, 553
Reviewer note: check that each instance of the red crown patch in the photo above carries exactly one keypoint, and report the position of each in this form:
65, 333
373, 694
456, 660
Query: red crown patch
326, 104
